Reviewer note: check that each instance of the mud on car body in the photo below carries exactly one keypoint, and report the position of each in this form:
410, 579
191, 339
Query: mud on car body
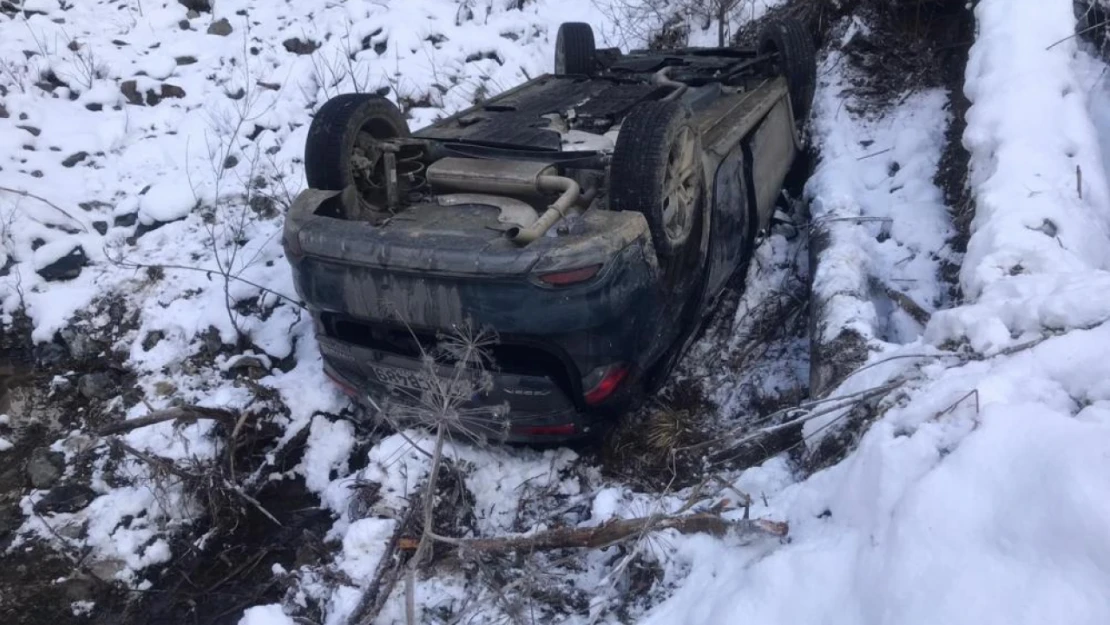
589, 218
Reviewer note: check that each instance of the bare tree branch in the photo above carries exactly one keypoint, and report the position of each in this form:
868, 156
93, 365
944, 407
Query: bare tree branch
185, 414
612, 532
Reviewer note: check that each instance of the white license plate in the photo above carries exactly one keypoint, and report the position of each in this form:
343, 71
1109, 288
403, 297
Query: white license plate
418, 380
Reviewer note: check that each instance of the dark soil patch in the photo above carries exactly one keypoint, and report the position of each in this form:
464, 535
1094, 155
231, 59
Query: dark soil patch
234, 569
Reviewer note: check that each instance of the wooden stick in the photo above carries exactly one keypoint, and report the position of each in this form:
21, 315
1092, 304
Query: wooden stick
187, 414
611, 532
23, 193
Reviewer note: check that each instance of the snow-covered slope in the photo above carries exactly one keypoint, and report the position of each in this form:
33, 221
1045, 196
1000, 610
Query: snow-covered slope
977, 497
163, 145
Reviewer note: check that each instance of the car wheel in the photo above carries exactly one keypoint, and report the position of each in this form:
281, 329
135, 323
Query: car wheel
575, 51
656, 170
797, 60
340, 148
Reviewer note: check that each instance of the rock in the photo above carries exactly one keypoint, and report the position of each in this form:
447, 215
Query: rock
3, 112
10, 520
31, 129
73, 530
172, 91
191, 14
220, 27
80, 344
184, 25
67, 267
125, 221
101, 227
185, 60
50, 354
252, 366
94, 106
45, 467
300, 46
152, 97
93, 205
163, 388
37, 242
231, 161
130, 90
65, 498
75, 158
81, 589
197, 6
98, 385
212, 342
152, 339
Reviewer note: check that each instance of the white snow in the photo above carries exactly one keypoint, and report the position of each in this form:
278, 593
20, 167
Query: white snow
165, 201
266, 615
977, 496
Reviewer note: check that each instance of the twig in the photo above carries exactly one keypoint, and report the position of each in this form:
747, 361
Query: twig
251, 500
188, 414
612, 532
1077, 33
867, 156
61, 210
385, 576
907, 303
135, 265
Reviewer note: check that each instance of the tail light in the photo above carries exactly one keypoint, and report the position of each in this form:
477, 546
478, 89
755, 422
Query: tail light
574, 276
602, 382
567, 429
342, 384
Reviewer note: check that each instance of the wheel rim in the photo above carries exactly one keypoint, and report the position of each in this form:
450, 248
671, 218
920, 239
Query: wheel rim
680, 187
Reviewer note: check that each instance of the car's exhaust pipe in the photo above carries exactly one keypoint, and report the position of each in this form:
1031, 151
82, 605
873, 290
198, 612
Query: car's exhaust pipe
558, 209
509, 178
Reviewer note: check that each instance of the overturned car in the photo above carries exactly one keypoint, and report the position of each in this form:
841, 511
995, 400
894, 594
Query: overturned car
589, 218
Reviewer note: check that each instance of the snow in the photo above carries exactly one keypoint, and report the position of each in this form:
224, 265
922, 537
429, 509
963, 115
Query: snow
1037, 168
165, 201
976, 495
887, 224
266, 615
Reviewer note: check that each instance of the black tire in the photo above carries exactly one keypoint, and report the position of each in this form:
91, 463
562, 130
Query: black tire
575, 50
797, 60
334, 131
638, 173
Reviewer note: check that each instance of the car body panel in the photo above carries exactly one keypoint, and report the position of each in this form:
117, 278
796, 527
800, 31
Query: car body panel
383, 293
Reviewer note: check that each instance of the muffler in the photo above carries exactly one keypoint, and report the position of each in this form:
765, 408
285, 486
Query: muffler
509, 178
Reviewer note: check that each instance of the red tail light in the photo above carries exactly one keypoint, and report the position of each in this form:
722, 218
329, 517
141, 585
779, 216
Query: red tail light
545, 430
610, 379
343, 386
574, 276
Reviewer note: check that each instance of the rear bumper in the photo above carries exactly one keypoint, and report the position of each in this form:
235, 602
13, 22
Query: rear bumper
510, 408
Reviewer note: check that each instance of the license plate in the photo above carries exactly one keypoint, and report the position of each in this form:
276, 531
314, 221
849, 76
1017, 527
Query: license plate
417, 380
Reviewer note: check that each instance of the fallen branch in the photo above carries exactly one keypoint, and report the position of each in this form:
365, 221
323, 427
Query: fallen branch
389, 571
611, 532
184, 414
912, 308
169, 467
61, 210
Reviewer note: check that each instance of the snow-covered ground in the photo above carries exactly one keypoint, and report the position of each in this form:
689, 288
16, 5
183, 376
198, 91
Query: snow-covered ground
976, 495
